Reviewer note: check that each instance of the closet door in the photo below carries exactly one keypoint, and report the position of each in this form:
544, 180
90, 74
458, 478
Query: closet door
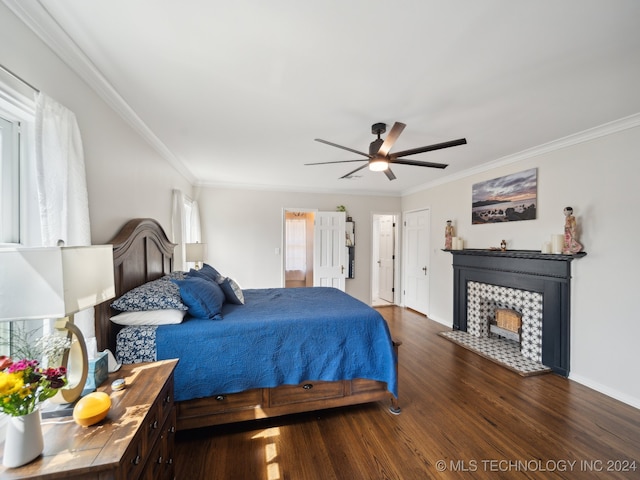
416, 254
329, 252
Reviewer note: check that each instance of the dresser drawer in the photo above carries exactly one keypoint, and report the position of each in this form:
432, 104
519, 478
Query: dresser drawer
160, 464
158, 412
133, 461
304, 392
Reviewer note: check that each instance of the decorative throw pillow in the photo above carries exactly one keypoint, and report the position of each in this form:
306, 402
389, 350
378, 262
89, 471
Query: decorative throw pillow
177, 275
207, 272
159, 294
203, 297
150, 317
232, 291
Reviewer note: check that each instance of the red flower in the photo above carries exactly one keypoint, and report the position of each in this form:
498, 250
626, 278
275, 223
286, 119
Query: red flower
5, 362
55, 376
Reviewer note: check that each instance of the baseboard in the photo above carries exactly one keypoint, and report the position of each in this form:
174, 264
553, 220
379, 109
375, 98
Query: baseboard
609, 392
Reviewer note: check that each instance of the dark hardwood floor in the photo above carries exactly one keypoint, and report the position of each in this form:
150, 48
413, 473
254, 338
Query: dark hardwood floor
463, 417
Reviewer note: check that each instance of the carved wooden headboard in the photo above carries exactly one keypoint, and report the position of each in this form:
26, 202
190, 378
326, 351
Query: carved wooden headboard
141, 252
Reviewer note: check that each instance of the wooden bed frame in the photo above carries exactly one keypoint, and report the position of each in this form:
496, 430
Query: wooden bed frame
141, 253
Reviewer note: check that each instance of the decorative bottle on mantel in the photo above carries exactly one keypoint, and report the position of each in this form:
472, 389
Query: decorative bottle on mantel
571, 244
448, 235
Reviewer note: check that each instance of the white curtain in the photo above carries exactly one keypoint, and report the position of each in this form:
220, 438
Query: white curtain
296, 255
185, 227
61, 183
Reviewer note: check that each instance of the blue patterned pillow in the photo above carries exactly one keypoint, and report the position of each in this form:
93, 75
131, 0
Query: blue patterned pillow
158, 294
203, 297
232, 291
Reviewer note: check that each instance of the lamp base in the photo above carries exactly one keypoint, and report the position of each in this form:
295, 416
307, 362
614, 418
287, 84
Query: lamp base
55, 410
76, 362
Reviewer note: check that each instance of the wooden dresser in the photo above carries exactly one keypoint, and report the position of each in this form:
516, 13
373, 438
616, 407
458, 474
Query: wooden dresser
135, 441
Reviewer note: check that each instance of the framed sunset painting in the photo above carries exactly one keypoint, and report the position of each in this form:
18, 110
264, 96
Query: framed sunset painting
505, 199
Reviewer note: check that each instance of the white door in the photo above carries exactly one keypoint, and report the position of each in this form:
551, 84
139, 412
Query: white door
386, 250
416, 278
330, 262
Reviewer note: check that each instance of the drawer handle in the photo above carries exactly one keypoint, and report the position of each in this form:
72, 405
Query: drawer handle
154, 425
160, 460
136, 460
307, 386
170, 461
172, 429
167, 399
220, 398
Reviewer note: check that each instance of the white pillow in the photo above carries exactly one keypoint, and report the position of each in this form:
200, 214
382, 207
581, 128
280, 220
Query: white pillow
149, 317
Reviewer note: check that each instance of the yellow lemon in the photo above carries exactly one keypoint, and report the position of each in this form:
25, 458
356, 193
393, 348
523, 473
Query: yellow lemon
91, 408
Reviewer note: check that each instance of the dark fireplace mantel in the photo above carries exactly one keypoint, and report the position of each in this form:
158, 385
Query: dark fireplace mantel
548, 274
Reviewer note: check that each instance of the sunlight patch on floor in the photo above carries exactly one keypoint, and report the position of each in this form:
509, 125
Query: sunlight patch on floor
270, 452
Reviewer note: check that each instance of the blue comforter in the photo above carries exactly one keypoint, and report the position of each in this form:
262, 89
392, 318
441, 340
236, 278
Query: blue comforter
279, 336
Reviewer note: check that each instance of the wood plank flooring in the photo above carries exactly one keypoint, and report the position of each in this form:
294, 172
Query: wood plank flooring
463, 417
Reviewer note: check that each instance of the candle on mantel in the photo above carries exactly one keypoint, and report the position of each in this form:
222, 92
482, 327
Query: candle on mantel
557, 242
460, 243
546, 247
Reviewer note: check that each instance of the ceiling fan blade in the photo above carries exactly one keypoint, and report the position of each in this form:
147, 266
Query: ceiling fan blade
338, 161
393, 135
389, 174
416, 163
429, 148
354, 171
343, 148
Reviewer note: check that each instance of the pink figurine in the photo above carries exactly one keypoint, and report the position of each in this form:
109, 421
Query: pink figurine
571, 244
448, 235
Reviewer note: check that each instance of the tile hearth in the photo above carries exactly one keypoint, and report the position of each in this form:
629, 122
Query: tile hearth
501, 351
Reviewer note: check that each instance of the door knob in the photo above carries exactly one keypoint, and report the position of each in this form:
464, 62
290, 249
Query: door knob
424, 269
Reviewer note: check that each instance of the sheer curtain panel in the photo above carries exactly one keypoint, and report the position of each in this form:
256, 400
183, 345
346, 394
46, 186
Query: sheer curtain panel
62, 184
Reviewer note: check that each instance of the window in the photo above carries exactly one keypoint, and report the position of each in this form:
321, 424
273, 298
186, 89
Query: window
19, 215
9, 181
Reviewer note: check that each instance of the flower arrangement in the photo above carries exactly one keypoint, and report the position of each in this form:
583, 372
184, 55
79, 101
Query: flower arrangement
24, 385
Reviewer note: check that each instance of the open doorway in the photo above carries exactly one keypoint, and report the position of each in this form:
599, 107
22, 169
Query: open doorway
384, 259
298, 248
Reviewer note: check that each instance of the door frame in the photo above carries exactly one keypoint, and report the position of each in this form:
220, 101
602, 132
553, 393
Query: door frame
283, 238
397, 266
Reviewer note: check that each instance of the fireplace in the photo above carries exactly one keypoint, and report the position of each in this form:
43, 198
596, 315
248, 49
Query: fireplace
534, 285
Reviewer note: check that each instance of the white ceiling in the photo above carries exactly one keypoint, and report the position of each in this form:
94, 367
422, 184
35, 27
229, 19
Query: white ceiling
235, 92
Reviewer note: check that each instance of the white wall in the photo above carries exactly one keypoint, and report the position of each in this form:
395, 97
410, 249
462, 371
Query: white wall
126, 178
599, 179
243, 228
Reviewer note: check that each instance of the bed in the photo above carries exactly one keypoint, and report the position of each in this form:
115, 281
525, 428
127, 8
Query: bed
283, 351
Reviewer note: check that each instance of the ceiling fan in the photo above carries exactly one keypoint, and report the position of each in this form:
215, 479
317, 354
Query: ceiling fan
379, 157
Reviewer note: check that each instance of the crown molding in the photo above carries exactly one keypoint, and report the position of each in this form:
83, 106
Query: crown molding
632, 121
35, 16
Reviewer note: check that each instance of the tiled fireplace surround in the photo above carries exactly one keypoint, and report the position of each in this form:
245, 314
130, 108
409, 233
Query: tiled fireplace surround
536, 284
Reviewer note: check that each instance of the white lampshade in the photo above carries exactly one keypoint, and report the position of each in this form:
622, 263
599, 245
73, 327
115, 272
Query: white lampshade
53, 282
195, 252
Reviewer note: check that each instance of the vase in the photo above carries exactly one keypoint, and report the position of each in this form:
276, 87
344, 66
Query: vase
24, 440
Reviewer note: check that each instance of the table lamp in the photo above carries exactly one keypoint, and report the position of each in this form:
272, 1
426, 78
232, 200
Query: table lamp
195, 252
55, 283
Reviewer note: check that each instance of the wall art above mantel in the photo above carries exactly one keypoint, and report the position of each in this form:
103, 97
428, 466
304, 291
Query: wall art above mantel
505, 199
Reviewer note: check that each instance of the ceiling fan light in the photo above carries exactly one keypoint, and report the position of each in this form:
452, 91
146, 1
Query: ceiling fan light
378, 165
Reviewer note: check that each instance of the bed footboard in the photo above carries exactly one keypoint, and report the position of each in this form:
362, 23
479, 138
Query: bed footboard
284, 400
